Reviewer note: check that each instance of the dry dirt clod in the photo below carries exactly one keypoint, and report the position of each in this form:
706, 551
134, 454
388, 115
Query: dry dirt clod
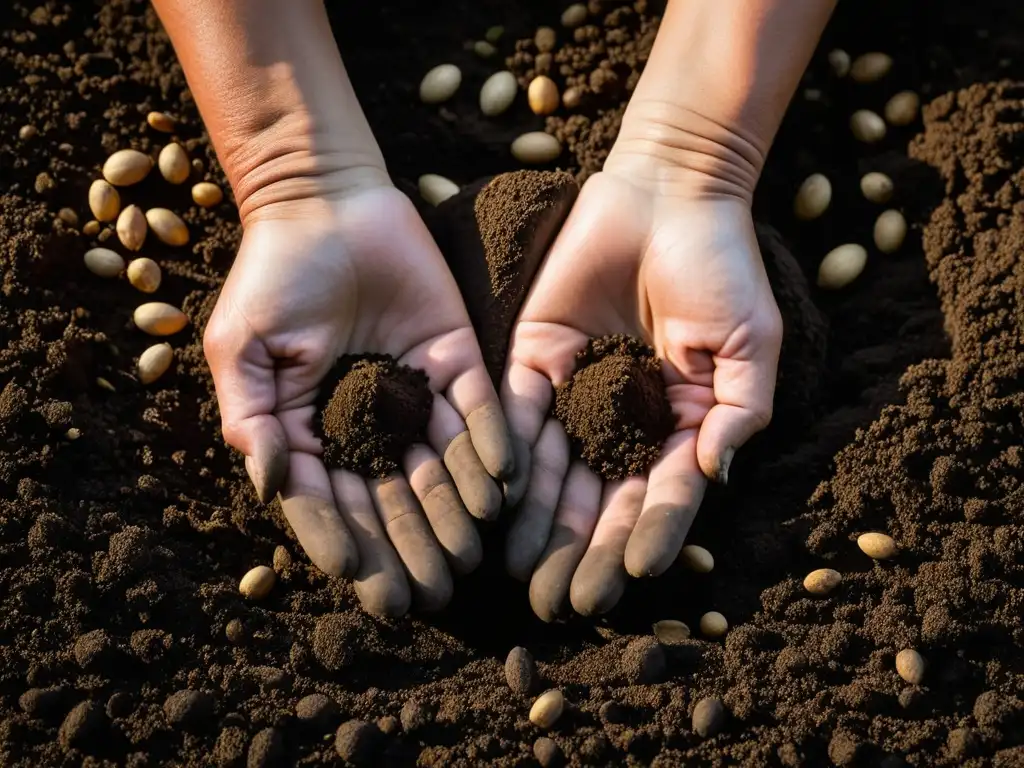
154, 362
282, 559
542, 95
440, 83
902, 108
144, 274
235, 631
839, 61
869, 67
876, 187
131, 228
160, 121
867, 126
126, 167
713, 624
841, 266
159, 319
104, 262
544, 39
813, 197
547, 708
497, 93
257, 583
890, 231
671, 632
104, 201
696, 559
910, 665
174, 164
167, 226
357, 742
708, 717
878, 546
520, 671
536, 147
822, 581
207, 194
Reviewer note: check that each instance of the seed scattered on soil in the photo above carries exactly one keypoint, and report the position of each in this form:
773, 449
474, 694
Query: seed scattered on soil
68, 216
536, 148
81, 725
713, 624
708, 717
544, 39
144, 275
547, 752
839, 61
902, 108
571, 98
160, 121
877, 545
167, 226
910, 665
542, 95
671, 632
436, 189
813, 197
235, 631
358, 742
189, 708
696, 559
440, 83
876, 187
91, 228
131, 228
841, 266
104, 262
126, 167
643, 661
493, 34
207, 194
484, 49
867, 126
869, 67
257, 583
154, 362
27, 132
174, 164
520, 671
822, 581
497, 93
159, 319
547, 708
890, 231
574, 15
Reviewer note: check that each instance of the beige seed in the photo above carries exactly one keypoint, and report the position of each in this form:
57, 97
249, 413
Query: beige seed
105, 235
440, 83
876, 187
839, 60
27, 132
173, 163
497, 93
822, 581
154, 362
104, 202
813, 197
207, 194
890, 231
104, 262
708, 717
910, 666
869, 67
547, 708
571, 98
159, 319
574, 15
257, 583
542, 95
713, 624
160, 121
671, 632
167, 226
73, 434
91, 228
544, 39
493, 34
696, 559
483, 49
68, 216
131, 228
436, 189
104, 384
841, 266
877, 545
536, 147
144, 274
867, 126
902, 108
126, 167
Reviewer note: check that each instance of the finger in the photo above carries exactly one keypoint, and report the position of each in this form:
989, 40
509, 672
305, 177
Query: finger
449, 438
570, 535
410, 533
526, 397
528, 534
380, 581
601, 577
448, 518
307, 501
675, 489
515, 487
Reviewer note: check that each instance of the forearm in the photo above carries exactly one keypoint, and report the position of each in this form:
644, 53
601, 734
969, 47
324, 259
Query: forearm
270, 85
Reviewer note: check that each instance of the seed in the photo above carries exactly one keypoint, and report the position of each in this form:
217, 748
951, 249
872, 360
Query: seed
105, 235
498, 93
144, 274
902, 108
257, 583
708, 717
876, 187
547, 708
520, 670
542, 95
104, 262
126, 167
890, 231
159, 319
154, 362
207, 194
68, 216
104, 384
483, 49
869, 67
197, 166
27, 132
910, 666
160, 121
714, 624
571, 98
574, 15
536, 147
813, 197
104, 202
131, 228
173, 164
867, 126
73, 434
167, 226
696, 559
671, 632
91, 228
877, 545
841, 266
544, 39
839, 60
440, 83
436, 189
822, 581
493, 34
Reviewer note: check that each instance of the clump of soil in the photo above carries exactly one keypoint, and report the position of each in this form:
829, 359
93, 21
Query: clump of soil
614, 408
370, 411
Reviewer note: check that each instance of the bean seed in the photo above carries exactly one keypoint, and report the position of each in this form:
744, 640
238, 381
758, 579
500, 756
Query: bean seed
27, 132
91, 228
841, 266
440, 83
869, 67
144, 274
696, 559
436, 189
671, 632
867, 126
68, 216
126, 167
104, 262
536, 147
713, 624
839, 60
483, 49
876, 187
822, 581
159, 319
542, 94
910, 666
154, 362
104, 202
902, 108
160, 121
173, 163
890, 231
571, 98
105, 235
207, 194
877, 545
813, 197
547, 708
167, 226
520, 671
131, 228
257, 583
73, 434
708, 717
574, 15
498, 93
493, 34
544, 39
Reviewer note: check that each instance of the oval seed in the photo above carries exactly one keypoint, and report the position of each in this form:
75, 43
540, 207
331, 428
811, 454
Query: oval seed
713, 624
257, 583
839, 60
104, 262
167, 226
131, 228
869, 67
144, 274
890, 231
160, 121
436, 189
902, 108
697, 559
440, 83
126, 167
91, 228
536, 147
841, 266
159, 319
876, 187
877, 545
498, 93
68, 216
542, 94
867, 126
671, 632
104, 202
910, 666
547, 708
483, 49
822, 581
574, 15
154, 362
520, 671
813, 197
207, 194
708, 717
571, 98
173, 163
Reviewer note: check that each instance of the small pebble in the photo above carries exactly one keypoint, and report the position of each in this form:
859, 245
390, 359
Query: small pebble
877, 545
867, 126
813, 197
902, 108
536, 148
839, 61
520, 671
713, 624
671, 632
696, 559
160, 121
357, 741
869, 67
876, 187
841, 266
822, 581
548, 753
547, 708
708, 717
440, 83
910, 665
257, 583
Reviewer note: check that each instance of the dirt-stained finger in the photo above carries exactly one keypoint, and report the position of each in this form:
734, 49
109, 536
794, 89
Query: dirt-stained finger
514, 488
492, 440
478, 490
267, 466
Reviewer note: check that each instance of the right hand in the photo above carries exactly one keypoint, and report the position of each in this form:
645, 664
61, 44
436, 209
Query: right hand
357, 272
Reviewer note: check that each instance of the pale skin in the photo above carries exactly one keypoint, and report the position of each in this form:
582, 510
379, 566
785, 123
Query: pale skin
334, 260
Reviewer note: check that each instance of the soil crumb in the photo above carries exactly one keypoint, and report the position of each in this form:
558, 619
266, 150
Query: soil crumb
375, 410
614, 408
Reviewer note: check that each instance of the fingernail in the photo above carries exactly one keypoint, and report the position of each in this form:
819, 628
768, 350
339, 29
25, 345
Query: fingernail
723, 465
258, 479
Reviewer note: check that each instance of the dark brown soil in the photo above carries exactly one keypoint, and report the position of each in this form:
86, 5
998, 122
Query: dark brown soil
125, 522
